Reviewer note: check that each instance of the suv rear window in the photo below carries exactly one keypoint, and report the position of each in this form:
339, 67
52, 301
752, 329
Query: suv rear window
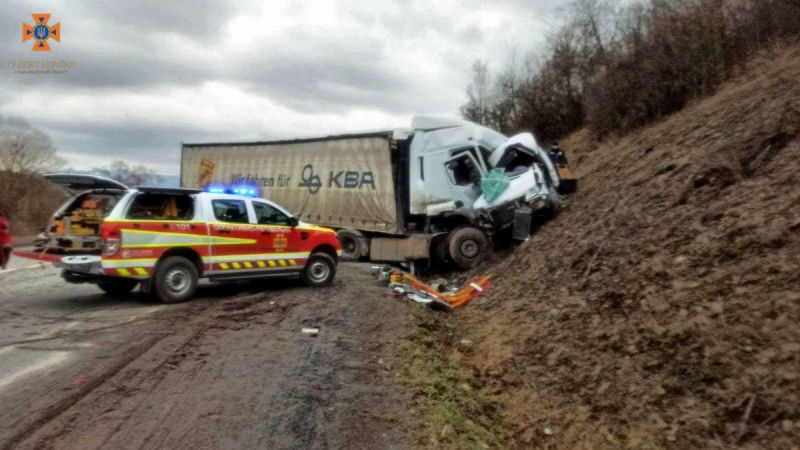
149, 206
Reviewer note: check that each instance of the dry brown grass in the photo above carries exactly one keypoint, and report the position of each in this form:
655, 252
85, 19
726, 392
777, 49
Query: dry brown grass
660, 310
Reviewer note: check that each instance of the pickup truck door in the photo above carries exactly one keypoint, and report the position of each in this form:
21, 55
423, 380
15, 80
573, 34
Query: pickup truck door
277, 237
233, 239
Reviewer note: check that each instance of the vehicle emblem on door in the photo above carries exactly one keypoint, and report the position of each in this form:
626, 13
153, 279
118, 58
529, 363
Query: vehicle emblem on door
280, 242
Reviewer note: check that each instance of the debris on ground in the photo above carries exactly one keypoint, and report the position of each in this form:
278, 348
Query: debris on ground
442, 296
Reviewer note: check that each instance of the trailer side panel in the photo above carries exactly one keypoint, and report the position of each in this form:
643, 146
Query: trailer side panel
340, 182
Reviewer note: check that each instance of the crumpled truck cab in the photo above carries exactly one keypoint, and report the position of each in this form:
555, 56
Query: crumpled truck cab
450, 157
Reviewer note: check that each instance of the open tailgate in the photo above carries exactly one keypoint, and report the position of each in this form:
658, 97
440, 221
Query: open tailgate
77, 183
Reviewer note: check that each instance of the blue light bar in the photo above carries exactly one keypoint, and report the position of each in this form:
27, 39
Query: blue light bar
246, 191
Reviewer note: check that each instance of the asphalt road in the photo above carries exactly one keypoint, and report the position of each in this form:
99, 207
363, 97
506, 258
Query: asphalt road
228, 370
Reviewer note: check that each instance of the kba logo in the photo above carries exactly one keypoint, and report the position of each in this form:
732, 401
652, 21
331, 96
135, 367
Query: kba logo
41, 32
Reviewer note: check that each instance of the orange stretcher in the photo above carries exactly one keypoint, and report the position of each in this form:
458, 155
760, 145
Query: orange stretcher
475, 287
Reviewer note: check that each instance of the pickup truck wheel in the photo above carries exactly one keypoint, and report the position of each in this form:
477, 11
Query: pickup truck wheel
175, 280
319, 271
117, 286
468, 246
352, 244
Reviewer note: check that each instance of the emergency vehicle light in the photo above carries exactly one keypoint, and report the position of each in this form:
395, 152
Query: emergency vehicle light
238, 191
245, 191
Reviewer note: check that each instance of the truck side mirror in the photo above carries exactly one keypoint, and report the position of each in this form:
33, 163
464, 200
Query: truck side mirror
293, 222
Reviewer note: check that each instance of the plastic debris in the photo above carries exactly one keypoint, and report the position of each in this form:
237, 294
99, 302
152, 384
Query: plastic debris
404, 284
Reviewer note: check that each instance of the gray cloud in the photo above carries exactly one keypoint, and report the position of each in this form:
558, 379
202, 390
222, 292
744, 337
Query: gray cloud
152, 73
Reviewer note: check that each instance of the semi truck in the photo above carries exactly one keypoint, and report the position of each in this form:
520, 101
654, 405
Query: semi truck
408, 195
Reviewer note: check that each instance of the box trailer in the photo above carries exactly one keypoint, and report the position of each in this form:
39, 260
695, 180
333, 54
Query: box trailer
399, 195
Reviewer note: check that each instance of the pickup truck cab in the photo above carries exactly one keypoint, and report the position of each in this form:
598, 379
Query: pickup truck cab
167, 239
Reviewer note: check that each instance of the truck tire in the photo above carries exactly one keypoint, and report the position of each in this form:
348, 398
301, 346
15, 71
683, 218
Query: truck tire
468, 246
353, 244
175, 280
117, 286
319, 271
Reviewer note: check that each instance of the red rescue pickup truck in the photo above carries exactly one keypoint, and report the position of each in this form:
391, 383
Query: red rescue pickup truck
167, 239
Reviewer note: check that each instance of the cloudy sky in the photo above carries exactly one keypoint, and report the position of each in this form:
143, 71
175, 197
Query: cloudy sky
151, 74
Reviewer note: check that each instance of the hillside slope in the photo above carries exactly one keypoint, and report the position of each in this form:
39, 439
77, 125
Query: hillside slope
662, 308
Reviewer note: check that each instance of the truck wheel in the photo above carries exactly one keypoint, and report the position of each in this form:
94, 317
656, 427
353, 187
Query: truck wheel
353, 244
175, 280
117, 286
468, 246
319, 270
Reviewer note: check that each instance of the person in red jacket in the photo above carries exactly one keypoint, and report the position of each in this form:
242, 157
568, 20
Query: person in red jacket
5, 240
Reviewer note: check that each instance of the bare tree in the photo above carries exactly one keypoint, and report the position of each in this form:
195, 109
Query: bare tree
616, 65
25, 149
25, 152
477, 107
132, 175
505, 98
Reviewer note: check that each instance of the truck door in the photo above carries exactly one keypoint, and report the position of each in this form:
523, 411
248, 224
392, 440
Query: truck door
464, 173
277, 236
233, 239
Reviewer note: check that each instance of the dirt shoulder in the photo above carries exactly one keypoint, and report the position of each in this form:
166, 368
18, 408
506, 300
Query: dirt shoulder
234, 370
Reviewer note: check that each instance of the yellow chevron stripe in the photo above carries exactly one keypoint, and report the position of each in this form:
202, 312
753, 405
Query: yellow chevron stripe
282, 262
124, 272
292, 262
237, 266
224, 266
261, 264
248, 265
272, 264
140, 271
